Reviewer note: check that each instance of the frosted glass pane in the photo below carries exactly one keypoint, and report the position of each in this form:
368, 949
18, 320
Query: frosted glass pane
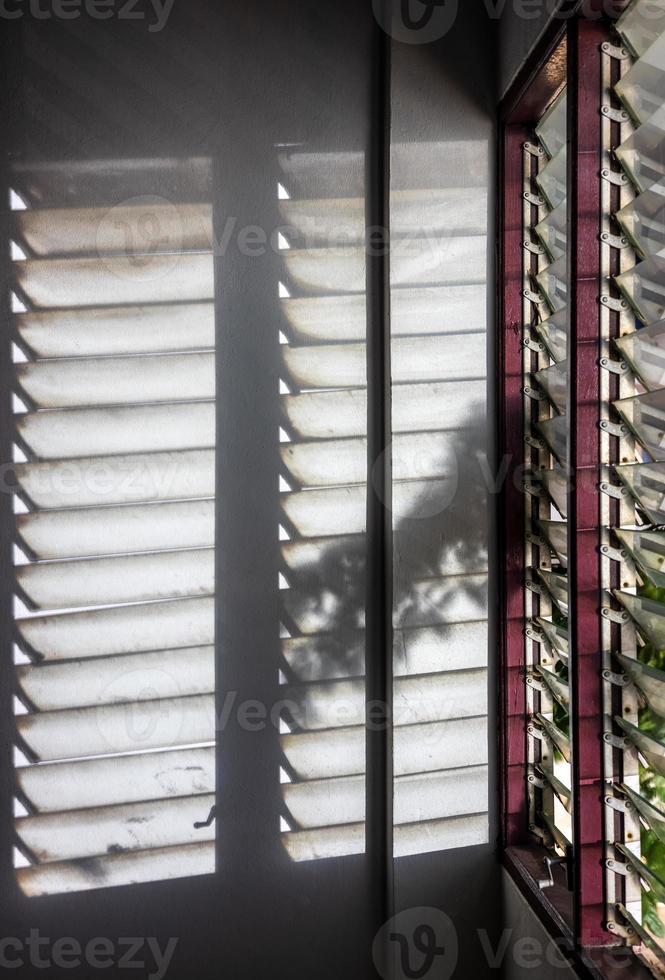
641, 24
642, 155
645, 416
644, 350
551, 130
647, 548
642, 222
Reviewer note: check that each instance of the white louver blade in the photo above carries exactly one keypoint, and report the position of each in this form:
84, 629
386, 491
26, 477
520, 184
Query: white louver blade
118, 532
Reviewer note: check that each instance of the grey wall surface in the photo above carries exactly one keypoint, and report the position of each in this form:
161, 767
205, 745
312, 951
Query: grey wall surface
528, 949
443, 138
251, 85
520, 27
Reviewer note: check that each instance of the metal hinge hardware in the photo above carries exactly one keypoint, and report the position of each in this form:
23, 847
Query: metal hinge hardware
614, 615
616, 115
619, 680
616, 367
614, 51
614, 428
619, 305
615, 241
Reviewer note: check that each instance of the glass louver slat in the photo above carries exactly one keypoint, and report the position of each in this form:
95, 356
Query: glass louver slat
650, 747
645, 417
647, 548
642, 88
554, 334
640, 24
642, 154
652, 816
559, 738
554, 382
552, 231
645, 873
649, 680
642, 221
555, 433
644, 351
557, 586
556, 534
556, 636
557, 686
555, 483
552, 179
557, 835
647, 613
551, 130
561, 791
644, 287
646, 483
553, 283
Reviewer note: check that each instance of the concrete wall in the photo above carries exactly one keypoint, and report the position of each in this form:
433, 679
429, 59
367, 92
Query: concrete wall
530, 952
520, 27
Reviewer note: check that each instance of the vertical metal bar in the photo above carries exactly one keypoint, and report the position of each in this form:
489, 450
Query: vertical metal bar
584, 509
379, 577
619, 765
540, 800
512, 504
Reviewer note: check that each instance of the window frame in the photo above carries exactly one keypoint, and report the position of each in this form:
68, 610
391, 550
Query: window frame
568, 53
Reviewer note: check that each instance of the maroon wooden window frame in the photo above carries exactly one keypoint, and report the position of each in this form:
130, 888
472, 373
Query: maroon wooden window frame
570, 54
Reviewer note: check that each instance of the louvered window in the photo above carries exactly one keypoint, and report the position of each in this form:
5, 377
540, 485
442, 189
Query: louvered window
546, 437
114, 382
635, 607
584, 602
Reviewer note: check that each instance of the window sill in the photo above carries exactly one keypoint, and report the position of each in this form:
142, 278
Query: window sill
554, 908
